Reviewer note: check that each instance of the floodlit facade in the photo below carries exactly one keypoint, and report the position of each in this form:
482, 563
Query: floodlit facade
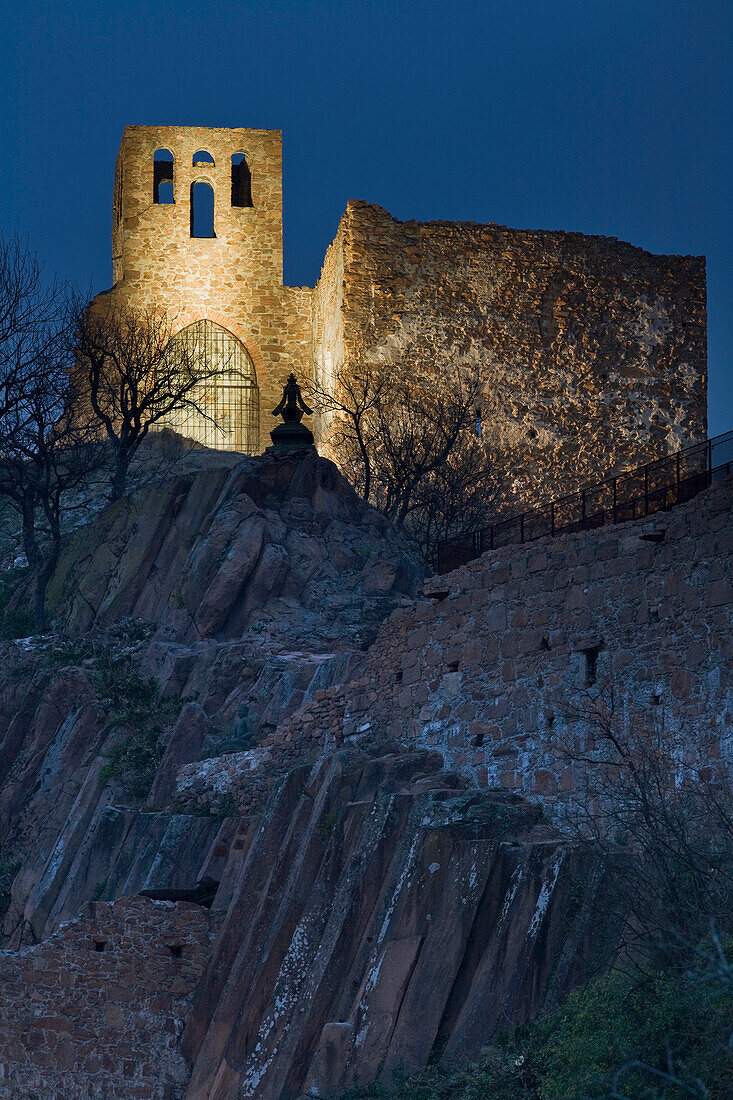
591, 352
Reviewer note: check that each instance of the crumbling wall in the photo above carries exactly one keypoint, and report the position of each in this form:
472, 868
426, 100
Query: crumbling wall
98, 1009
328, 322
591, 353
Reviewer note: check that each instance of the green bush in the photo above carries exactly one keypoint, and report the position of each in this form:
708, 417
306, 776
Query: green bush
577, 1049
327, 824
8, 871
624, 1017
17, 624
135, 706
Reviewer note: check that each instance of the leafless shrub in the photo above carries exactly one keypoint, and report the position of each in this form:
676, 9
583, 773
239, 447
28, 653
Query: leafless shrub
47, 447
661, 810
409, 440
133, 376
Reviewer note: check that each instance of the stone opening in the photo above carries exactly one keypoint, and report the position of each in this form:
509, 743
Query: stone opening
589, 665
100, 945
163, 161
176, 950
202, 157
226, 415
241, 181
202, 209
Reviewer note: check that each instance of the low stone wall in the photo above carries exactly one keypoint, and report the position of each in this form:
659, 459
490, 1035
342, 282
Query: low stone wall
97, 1010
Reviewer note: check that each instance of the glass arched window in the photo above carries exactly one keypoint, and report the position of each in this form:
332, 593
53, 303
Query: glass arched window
202, 209
241, 181
163, 177
226, 415
202, 157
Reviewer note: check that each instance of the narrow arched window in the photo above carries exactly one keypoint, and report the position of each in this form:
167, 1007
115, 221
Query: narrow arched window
241, 181
202, 209
163, 177
202, 157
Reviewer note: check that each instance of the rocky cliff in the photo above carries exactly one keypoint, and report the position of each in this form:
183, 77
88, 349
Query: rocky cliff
237, 590
329, 891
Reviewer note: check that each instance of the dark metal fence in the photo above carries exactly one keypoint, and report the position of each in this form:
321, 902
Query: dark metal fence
651, 488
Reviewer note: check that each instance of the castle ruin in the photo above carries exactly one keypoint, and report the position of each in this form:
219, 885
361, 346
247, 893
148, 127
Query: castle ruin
591, 352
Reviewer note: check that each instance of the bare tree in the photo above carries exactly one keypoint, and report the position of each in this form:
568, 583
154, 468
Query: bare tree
661, 810
407, 439
134, 377
46, 445
353, 401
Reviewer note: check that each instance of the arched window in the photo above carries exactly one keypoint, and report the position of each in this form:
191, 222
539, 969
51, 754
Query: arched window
163, 177
226, 415
202, 209
202, 157
241, 181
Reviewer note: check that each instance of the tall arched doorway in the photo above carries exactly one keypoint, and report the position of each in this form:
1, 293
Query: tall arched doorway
229, 419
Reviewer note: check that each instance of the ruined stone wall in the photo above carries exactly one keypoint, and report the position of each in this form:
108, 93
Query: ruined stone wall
328, 322
235, 278
592, 353
495, 673
98, 1009
492, 668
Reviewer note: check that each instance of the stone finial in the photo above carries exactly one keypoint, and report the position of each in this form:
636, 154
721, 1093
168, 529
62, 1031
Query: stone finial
292, 435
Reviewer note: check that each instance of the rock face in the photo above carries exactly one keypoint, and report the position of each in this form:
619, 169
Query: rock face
382, 915
375, 905
261, 581
281, 547
379, 915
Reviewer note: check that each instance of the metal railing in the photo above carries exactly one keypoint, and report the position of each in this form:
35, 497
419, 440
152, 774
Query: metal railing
634, 494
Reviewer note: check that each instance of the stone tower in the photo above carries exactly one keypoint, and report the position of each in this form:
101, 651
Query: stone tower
197, 230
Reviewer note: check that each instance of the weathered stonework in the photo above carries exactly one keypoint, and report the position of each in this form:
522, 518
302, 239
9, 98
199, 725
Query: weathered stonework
97, 1010
592, 353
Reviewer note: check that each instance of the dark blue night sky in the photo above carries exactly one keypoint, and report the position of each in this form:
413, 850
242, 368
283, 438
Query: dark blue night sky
603, 116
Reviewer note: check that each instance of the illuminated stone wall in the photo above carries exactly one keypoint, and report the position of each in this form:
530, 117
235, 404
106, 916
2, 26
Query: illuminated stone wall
235, 278
97, 1010
592, 353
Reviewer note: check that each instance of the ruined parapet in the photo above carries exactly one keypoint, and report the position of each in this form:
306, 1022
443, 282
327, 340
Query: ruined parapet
591, 353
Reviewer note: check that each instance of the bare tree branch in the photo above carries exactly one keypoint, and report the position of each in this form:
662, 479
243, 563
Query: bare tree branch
134, 375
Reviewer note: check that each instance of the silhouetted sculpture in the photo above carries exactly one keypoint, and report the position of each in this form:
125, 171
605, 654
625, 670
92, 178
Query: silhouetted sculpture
291, 435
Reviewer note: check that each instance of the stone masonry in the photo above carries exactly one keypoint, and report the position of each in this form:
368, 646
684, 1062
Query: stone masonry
591, 353
97, 1010
235, 278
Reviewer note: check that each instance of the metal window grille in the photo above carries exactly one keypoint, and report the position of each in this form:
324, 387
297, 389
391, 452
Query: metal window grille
229, 404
